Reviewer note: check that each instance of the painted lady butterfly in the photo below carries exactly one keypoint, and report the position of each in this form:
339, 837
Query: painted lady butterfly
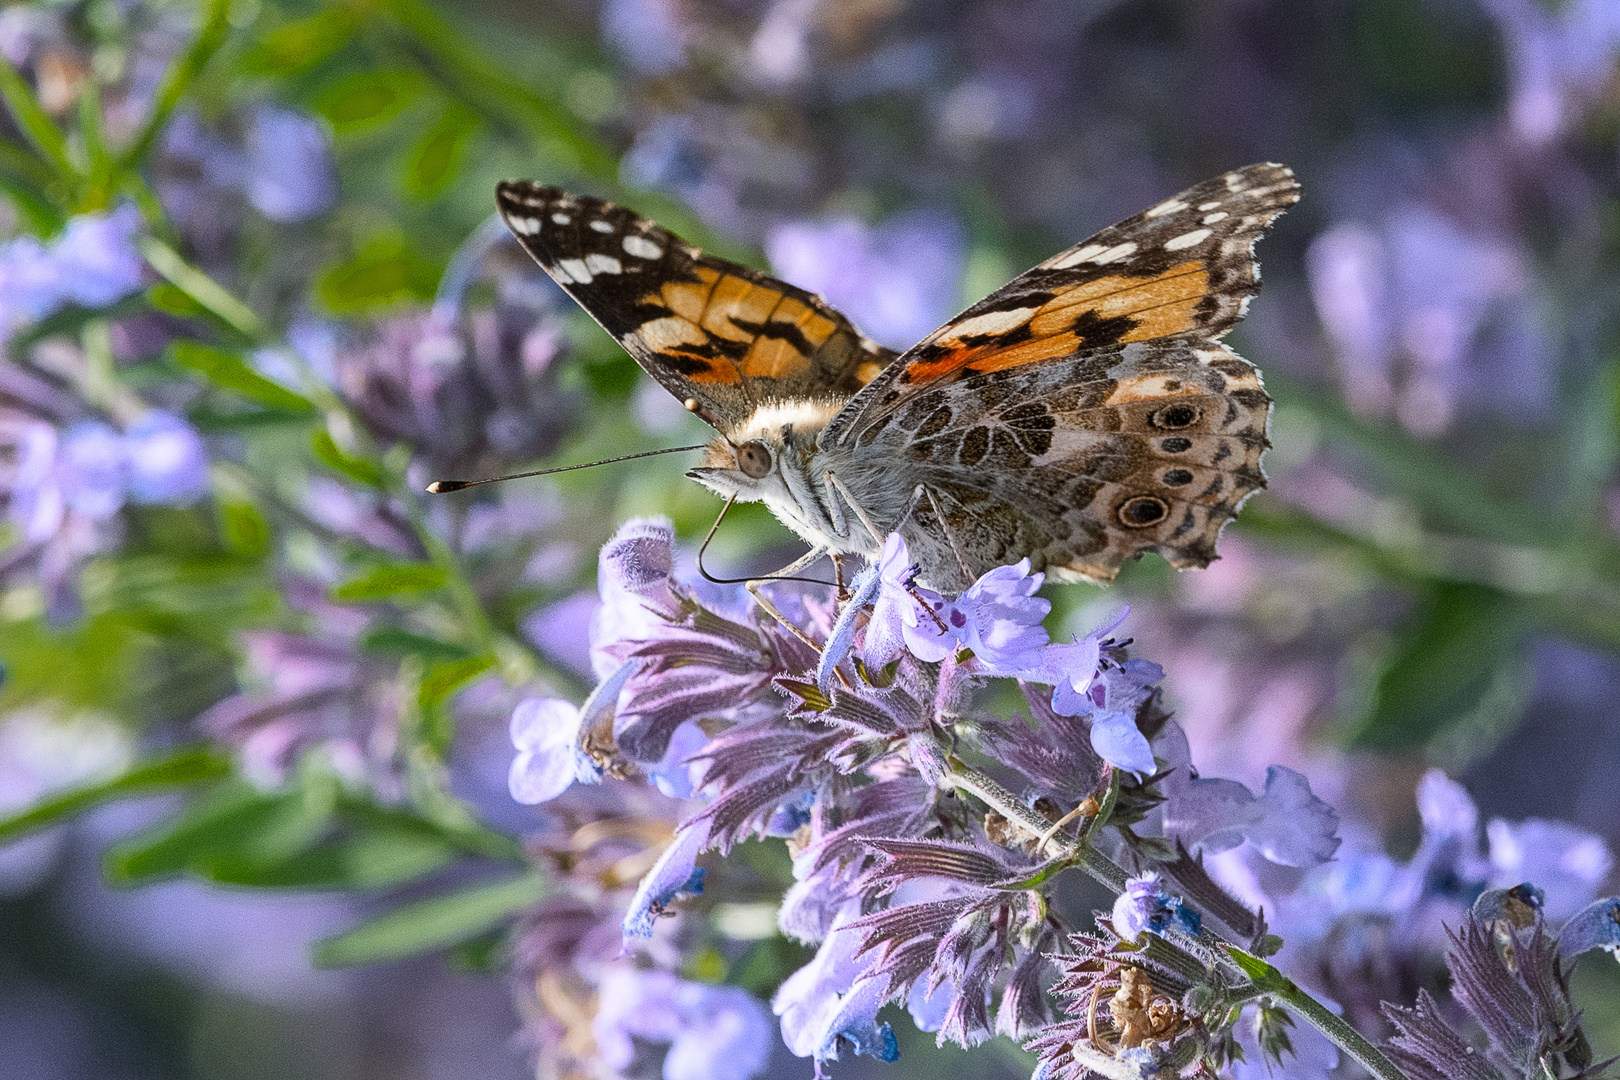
1083, 414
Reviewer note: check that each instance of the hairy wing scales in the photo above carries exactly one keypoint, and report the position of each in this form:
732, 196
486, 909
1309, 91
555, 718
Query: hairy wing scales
724, 335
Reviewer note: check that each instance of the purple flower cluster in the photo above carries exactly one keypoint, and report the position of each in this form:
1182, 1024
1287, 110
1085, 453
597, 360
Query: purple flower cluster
92, 263
909, 892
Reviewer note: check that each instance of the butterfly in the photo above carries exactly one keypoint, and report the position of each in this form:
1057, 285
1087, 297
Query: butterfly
1083, 414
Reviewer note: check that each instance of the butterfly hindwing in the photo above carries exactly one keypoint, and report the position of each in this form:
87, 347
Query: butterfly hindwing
1183, 267
721, 335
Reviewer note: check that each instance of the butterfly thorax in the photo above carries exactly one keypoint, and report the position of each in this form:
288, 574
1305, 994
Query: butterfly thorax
780, 442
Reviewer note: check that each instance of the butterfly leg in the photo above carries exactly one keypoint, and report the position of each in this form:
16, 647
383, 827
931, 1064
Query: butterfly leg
944, 527
836, 488
769, 608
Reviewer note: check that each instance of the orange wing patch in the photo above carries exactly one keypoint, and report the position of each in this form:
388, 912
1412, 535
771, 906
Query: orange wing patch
779, 331
1115, 309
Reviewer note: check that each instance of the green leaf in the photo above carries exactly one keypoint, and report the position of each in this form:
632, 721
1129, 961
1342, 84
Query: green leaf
177, 79
328, 453
1447, 665
229, 371
445, 679
238, 824
390, 580
173, 300
208, 293
192, 765
381, 276
300, 45
243, 527
432, 924
437, 156
393, 642
368, 99
381, 855
33, 121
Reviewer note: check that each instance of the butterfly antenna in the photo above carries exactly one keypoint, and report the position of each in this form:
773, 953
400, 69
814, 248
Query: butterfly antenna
444, 487
741, 580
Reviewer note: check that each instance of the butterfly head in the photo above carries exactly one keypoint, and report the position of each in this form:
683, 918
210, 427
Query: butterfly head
759, 459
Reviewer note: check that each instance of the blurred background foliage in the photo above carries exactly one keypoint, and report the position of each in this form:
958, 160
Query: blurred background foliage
276, 699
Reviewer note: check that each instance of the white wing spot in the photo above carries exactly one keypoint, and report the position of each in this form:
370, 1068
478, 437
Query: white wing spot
1209, 205
1116, 253
561, 219
528, 226
603, 264
1219, 215
1169, 206
573, 270
1186, 240
991, 322
1075, 258
642, 248
602, 226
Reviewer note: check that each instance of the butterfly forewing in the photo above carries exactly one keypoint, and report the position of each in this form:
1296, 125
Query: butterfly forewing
724, 336
1183, 267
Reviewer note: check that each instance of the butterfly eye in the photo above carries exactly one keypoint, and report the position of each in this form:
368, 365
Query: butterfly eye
754, 459
1142, 511
1175, 416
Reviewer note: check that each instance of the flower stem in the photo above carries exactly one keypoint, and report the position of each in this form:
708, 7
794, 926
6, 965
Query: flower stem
1265, 977
1268, 979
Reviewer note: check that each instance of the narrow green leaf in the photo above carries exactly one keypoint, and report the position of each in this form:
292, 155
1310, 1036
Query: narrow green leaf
213, 296
34, 122
328, 453
1445, 666
38, 213
241, 823
372, 858
228, 371
432, 924
391, 580
368, 99
444, 680
393, 642
177, 79
438, 155
192, 765
300, 45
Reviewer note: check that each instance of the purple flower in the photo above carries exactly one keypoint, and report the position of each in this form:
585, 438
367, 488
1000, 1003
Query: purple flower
998, 616
91, 470
289, 173
92, 263
1596, 926
713, 1032
633, 578
1559, 58
546, 734
167, 460
828, 1005
674, 875
1144, 905
1566, 862
1286, 823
